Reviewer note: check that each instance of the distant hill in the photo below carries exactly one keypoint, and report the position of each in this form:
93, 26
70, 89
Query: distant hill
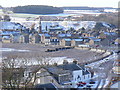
37, 9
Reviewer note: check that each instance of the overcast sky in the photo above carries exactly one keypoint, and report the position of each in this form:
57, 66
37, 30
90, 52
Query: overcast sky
59, 3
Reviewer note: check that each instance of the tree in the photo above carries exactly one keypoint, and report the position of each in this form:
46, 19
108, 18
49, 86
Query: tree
37, 9
12, 74
15, 71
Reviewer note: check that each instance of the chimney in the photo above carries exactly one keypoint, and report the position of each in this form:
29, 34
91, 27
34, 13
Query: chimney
75, 61
65, 62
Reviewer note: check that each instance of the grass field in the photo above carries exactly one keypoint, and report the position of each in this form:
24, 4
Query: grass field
23, 15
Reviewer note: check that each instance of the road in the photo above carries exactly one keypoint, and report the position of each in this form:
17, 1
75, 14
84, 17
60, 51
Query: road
102, 69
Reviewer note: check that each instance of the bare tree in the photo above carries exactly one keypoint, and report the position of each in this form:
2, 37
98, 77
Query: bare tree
11, 73
21, 72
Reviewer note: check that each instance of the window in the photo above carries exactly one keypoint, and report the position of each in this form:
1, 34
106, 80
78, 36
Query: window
78, 77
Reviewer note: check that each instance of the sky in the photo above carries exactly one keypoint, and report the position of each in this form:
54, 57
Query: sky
60, 3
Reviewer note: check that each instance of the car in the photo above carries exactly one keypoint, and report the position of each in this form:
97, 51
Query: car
92, 82
88, 86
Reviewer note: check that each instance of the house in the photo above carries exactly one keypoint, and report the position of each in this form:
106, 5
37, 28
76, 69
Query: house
76, 42
117, 41
61, 36
35, 38
85, 34
24, 38
54, 41
86, 41
65, 42
116, 68
47, 86
94, 41
45, 38
43, 77
6, 39
69, 74
102, 35
55, 28
15, 38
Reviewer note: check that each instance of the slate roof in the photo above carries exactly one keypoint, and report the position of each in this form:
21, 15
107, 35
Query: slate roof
94, 39
67, 39
47, 86
64, 35
85, 72
78, 39
71, 67
63, 69
57, 71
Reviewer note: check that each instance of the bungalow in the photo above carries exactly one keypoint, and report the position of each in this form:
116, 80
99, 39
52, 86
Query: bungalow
76, 42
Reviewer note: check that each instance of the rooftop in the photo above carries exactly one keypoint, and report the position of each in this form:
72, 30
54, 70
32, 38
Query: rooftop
63, 69
48, 86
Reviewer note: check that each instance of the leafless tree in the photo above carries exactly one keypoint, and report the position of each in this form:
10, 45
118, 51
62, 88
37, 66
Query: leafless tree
15, 68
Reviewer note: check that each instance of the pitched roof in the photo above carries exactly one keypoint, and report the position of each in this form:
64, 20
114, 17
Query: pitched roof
63, 69
78, 39
67, 39
85, 72
70, 67
47, 86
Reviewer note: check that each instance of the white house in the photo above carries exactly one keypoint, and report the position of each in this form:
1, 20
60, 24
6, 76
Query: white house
69, 74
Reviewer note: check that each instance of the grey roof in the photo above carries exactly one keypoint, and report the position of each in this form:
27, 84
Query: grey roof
71, 67
94, 39
78, 39
67, 39
63, 69
85, 72
64, 35
57, 71
47, 86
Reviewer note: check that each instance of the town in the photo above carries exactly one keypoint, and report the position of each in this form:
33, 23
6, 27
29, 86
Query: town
59, 52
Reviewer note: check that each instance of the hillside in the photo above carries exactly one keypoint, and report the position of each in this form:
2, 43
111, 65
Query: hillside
37, 9
66, 25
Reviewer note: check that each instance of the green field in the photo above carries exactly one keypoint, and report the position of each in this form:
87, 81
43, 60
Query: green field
24, 15
20, 15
